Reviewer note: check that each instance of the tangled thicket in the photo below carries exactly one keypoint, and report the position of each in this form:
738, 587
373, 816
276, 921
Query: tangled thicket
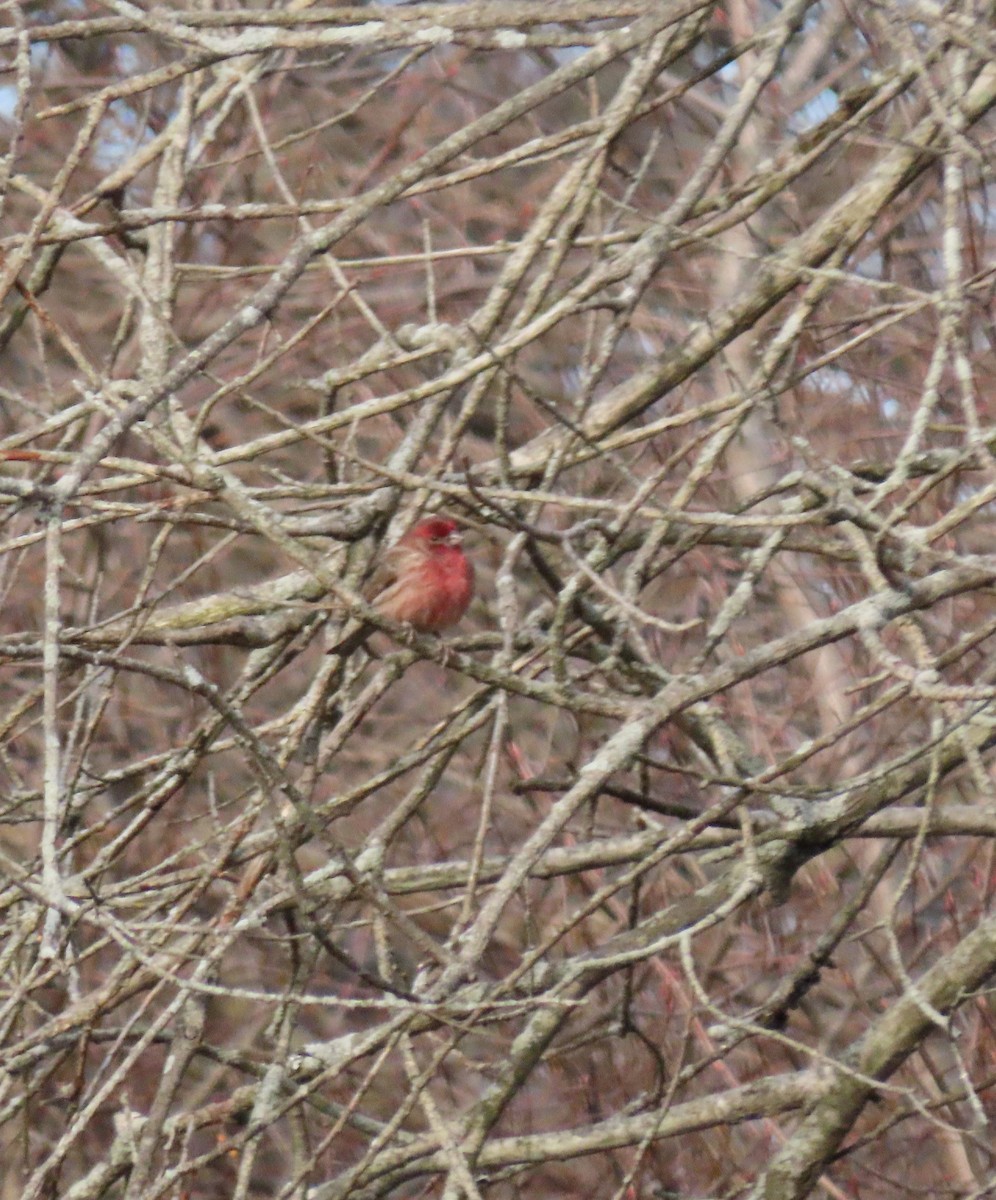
670, 872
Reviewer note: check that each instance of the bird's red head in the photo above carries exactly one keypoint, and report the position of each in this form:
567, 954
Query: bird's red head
437, 531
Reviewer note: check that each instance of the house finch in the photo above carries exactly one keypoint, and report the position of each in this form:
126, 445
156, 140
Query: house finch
425, 581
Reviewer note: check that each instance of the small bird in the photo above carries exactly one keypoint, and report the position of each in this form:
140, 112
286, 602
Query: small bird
425, 581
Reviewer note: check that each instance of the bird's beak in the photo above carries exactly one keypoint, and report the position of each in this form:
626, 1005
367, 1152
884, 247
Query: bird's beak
454, 538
